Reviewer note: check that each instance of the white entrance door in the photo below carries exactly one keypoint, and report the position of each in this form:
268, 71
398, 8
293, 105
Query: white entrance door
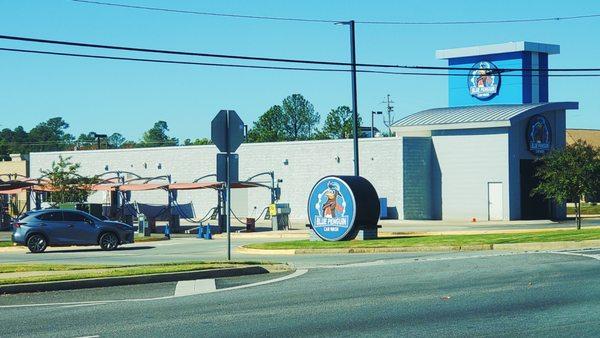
495, 209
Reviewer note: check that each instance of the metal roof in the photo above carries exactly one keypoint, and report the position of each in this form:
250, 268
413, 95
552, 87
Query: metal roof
519, 46
481, 116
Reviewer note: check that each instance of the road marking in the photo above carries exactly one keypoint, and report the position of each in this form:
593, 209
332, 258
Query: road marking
412, 260
193, 287
295, 274
75, 305
576, 253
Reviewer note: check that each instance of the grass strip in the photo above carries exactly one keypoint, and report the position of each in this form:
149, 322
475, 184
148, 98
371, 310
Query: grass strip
439, 240
73, 272
586, 209
5, 243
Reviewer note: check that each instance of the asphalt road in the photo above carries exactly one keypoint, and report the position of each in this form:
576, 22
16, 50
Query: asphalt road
472, 294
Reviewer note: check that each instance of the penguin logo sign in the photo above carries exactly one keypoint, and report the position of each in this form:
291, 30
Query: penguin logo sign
331, 209
484, 80
539, 136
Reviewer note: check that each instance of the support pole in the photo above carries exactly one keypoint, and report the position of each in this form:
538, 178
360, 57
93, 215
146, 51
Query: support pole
354, 97
372, 124
272, 173
228, 189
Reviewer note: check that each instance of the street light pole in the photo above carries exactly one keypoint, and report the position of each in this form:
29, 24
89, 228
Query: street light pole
354, 98
354, 93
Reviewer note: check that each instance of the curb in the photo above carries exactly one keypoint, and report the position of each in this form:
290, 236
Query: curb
13, 248
595, 243
264, 235
130, 280
477, 247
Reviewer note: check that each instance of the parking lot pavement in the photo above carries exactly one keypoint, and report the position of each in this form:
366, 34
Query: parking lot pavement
452, 294
191, 249
129, 292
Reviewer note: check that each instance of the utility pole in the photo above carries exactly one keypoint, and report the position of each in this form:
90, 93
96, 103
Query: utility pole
354, 92
373, 113
390, 118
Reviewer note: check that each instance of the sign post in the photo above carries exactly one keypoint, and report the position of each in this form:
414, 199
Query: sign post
227, 133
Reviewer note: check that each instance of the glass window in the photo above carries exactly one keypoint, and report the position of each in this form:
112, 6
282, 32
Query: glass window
73, 216
53, 216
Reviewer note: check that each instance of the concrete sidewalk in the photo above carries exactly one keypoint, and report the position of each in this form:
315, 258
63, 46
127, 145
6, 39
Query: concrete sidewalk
399, 228
509, 247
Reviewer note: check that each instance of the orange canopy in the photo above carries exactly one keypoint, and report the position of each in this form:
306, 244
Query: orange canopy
142, 187
22, 186
194, 186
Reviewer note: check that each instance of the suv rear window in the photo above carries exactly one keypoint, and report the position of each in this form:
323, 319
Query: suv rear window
73, 216
53, 216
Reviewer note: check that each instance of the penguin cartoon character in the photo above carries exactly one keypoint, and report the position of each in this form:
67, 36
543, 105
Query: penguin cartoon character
539, 132
331, 206
484, 79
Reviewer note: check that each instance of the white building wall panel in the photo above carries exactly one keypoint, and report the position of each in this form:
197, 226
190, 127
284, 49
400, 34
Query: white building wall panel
468, 160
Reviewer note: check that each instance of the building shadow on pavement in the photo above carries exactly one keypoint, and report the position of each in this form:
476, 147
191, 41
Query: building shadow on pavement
97, 249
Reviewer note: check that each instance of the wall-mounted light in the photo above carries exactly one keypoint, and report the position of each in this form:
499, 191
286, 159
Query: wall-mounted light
286, 162
145, 165
106, 167
337, 159
160, 166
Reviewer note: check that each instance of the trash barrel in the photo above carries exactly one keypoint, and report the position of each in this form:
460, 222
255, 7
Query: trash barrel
250, 224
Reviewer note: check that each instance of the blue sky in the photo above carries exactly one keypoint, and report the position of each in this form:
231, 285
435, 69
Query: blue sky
127, 97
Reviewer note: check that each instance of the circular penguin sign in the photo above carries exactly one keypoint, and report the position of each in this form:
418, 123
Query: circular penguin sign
331, 209
484, 80
539, 135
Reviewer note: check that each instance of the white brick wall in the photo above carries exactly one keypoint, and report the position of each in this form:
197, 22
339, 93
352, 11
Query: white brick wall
380, 160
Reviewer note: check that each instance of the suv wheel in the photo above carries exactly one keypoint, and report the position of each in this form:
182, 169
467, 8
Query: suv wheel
109, 241
37, 243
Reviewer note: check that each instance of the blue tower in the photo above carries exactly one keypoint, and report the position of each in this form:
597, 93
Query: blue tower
487, 80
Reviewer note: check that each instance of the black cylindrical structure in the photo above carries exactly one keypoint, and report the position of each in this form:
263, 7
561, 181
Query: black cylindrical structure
340, 206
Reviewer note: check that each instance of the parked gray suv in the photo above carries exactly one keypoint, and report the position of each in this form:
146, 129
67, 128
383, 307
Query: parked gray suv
38, 229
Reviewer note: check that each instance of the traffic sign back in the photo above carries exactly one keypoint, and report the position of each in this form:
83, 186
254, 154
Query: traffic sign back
224, 137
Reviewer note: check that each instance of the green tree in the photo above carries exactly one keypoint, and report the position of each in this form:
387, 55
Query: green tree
300, 117
67, 185
86, 141
569, 174
157, 136
270, 126
4, 150
197, 142
51, 135
129, 145
339, 123
15, 141
116, 140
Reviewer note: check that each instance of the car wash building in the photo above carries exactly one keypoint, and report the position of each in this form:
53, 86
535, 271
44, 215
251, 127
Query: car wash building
474, 159
499, 120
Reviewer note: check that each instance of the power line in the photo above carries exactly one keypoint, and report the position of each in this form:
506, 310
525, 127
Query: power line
338, 70
268, 59
91, 56
238, 16
480, 22
278, 18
